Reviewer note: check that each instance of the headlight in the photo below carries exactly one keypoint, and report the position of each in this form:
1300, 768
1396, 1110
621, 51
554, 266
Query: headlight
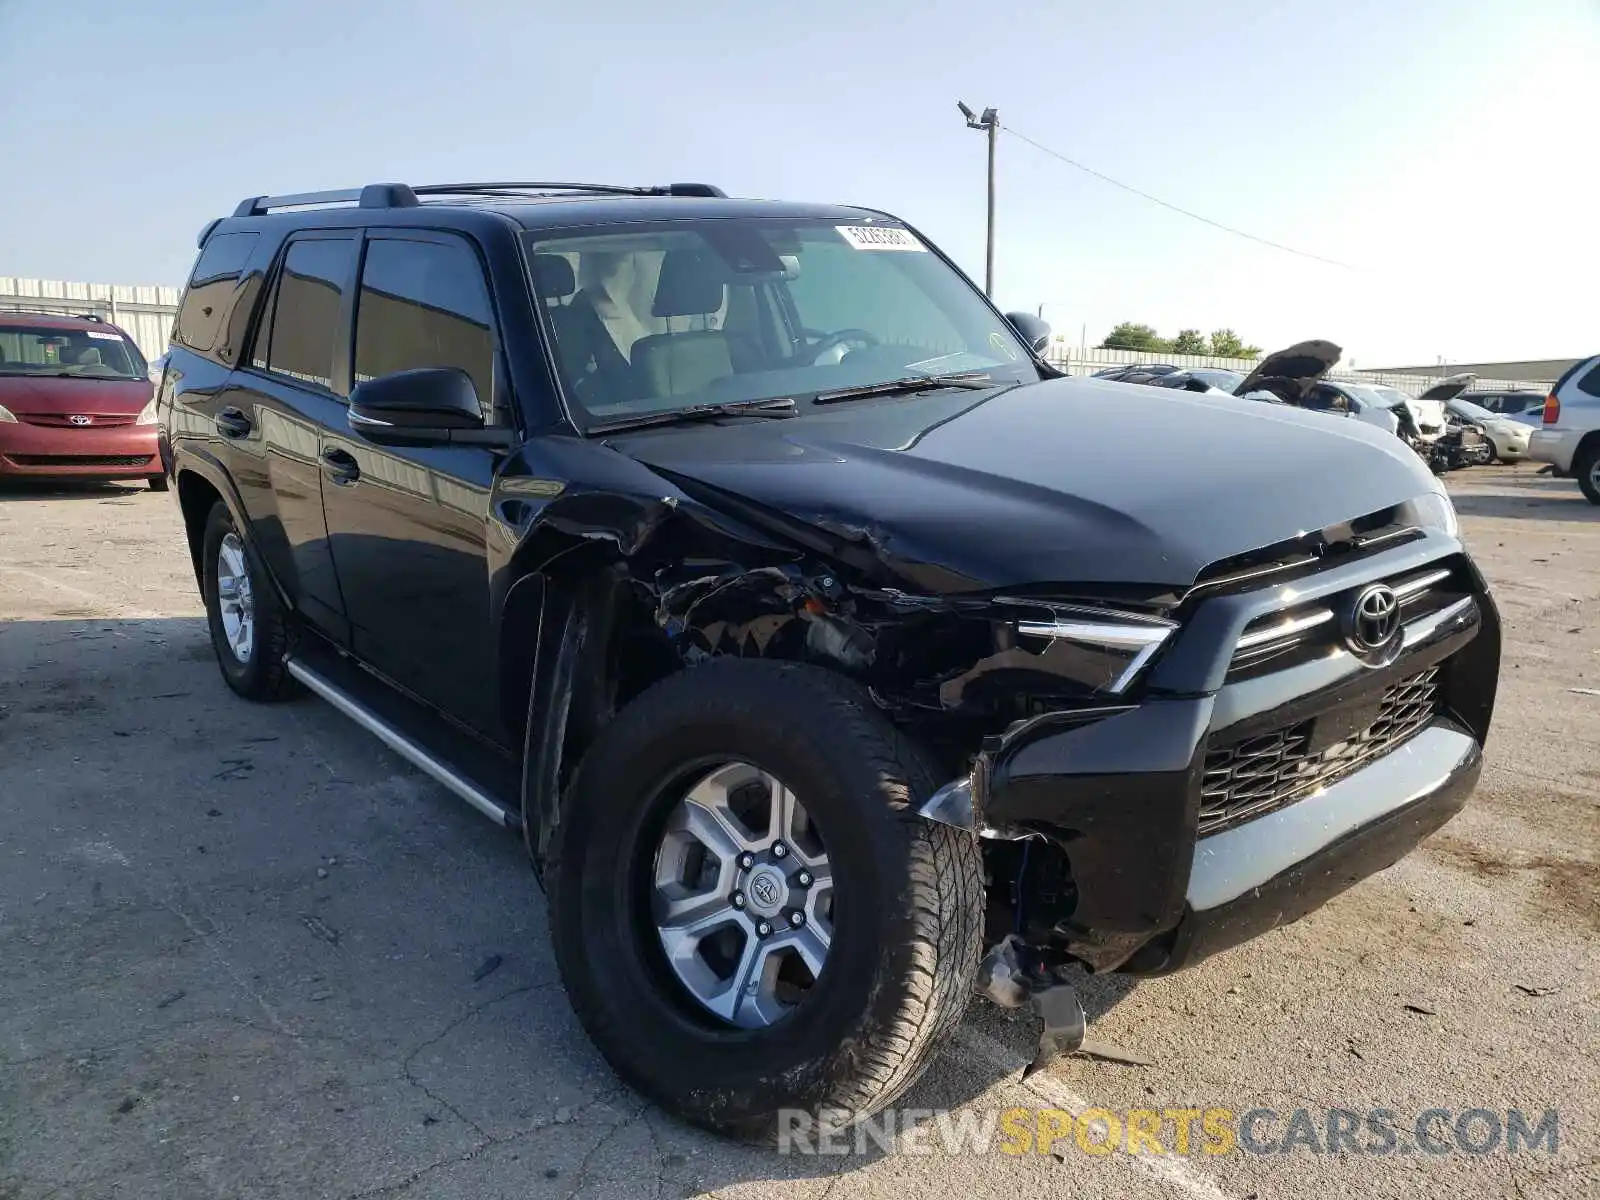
1433, 510
147, 414
5, 414
1105, 651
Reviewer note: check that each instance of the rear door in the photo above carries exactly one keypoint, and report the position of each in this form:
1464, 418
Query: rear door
272, 411
409, 525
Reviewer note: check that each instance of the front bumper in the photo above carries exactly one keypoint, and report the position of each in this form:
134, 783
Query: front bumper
1276, 869
1118, 793
113, 452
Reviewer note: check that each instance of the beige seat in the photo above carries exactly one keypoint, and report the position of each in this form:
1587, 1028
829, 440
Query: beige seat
673, 364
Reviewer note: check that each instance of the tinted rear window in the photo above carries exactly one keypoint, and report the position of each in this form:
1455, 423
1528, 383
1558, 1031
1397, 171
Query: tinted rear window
216, 272
306, 312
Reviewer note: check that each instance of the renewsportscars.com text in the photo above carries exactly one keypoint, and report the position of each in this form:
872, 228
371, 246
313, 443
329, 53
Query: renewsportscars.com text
1176, 1131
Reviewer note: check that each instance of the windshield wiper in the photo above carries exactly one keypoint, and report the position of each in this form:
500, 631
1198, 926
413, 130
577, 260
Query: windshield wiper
911, 383
781, 407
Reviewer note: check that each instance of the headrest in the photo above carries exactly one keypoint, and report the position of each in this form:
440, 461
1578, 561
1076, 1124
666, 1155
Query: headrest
552, 276
690, 284
89, 357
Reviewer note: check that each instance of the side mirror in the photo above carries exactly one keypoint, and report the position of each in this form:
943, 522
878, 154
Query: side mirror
422, 407
1034, 331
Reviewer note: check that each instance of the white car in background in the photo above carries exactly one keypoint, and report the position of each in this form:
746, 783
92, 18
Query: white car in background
1508, 438
1427, 410
1569, 439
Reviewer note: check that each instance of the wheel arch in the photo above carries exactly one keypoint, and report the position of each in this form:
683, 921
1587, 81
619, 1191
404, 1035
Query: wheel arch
589, 620
201, 482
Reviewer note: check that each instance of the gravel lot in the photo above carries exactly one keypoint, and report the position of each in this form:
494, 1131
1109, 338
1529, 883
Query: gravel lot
246, 952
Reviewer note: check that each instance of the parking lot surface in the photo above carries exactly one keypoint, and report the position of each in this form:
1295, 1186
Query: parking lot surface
246, 952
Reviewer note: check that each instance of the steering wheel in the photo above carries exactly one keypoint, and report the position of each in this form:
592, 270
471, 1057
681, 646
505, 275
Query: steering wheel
831, 341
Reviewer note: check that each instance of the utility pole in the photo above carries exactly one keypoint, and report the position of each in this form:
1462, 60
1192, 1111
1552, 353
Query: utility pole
989, 122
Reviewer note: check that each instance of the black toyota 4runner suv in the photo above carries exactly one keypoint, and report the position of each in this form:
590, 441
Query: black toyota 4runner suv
832, 653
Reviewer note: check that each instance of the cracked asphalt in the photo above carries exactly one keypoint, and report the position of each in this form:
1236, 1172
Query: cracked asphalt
246, 952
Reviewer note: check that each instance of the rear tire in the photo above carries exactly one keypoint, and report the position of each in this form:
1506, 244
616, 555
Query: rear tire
255, 667
1587, 469
899, 962
157, 483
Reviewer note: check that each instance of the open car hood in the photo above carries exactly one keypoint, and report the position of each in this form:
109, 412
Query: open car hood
1290, 374
1449, 389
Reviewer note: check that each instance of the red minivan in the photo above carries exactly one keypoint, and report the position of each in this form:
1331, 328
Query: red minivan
76, 401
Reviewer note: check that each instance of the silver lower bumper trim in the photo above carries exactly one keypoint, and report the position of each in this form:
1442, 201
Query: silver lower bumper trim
1231, 863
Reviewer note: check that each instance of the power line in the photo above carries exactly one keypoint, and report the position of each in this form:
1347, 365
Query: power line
1175, 208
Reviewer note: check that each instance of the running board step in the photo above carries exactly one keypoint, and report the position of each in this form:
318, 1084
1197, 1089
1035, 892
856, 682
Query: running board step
405, 746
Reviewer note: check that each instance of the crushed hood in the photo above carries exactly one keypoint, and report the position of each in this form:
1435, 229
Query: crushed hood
1290, 374
1066, 481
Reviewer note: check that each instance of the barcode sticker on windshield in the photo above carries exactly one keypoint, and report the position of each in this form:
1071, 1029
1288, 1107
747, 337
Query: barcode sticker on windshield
873, 237
105, 337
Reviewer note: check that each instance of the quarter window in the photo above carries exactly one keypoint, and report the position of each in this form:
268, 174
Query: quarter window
216, 272
424, 304
303, 315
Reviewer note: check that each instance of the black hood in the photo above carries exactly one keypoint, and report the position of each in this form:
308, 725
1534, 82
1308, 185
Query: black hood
1290, 374
1074, 481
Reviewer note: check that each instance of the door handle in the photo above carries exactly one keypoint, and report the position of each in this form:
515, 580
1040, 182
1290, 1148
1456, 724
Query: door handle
231, 422
340, 465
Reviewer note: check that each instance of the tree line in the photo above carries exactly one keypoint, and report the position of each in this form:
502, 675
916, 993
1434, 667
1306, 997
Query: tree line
1223, 343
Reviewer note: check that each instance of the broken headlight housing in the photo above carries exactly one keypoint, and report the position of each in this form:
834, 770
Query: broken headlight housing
1104, 650
1051, 653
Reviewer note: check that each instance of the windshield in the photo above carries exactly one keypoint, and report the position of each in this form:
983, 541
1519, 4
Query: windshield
1223, 380
1393, 397
666, 316
1470, 411
91, 353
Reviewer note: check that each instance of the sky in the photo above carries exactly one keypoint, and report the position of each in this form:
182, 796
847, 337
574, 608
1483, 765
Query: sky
1442, 151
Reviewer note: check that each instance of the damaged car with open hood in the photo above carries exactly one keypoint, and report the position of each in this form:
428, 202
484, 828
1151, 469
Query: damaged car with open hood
746, 562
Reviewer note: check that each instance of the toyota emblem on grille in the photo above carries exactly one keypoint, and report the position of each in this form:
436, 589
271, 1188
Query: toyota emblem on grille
81, 420
1372, 623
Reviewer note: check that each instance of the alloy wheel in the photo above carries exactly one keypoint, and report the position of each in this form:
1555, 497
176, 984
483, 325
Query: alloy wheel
235, 597
742, 896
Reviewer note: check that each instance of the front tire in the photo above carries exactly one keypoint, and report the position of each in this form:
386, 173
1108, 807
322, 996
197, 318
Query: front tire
157, 483
249, 627
903, 918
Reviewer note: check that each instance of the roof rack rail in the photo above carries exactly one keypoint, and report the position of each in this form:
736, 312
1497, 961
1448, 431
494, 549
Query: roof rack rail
374, 195
399, 195
605, 189
40, 311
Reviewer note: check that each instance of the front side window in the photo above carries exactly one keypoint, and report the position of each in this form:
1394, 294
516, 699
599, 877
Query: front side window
424, 304
658, 317
68, 353
301, 331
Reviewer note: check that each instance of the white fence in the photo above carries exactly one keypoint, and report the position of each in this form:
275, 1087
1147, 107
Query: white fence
145, 312
1086, 360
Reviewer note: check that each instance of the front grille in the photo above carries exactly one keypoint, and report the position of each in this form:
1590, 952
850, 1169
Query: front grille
1291, 636
65, 421
80, 460
1261, 774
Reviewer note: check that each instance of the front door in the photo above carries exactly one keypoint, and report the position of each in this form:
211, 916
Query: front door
408, 525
